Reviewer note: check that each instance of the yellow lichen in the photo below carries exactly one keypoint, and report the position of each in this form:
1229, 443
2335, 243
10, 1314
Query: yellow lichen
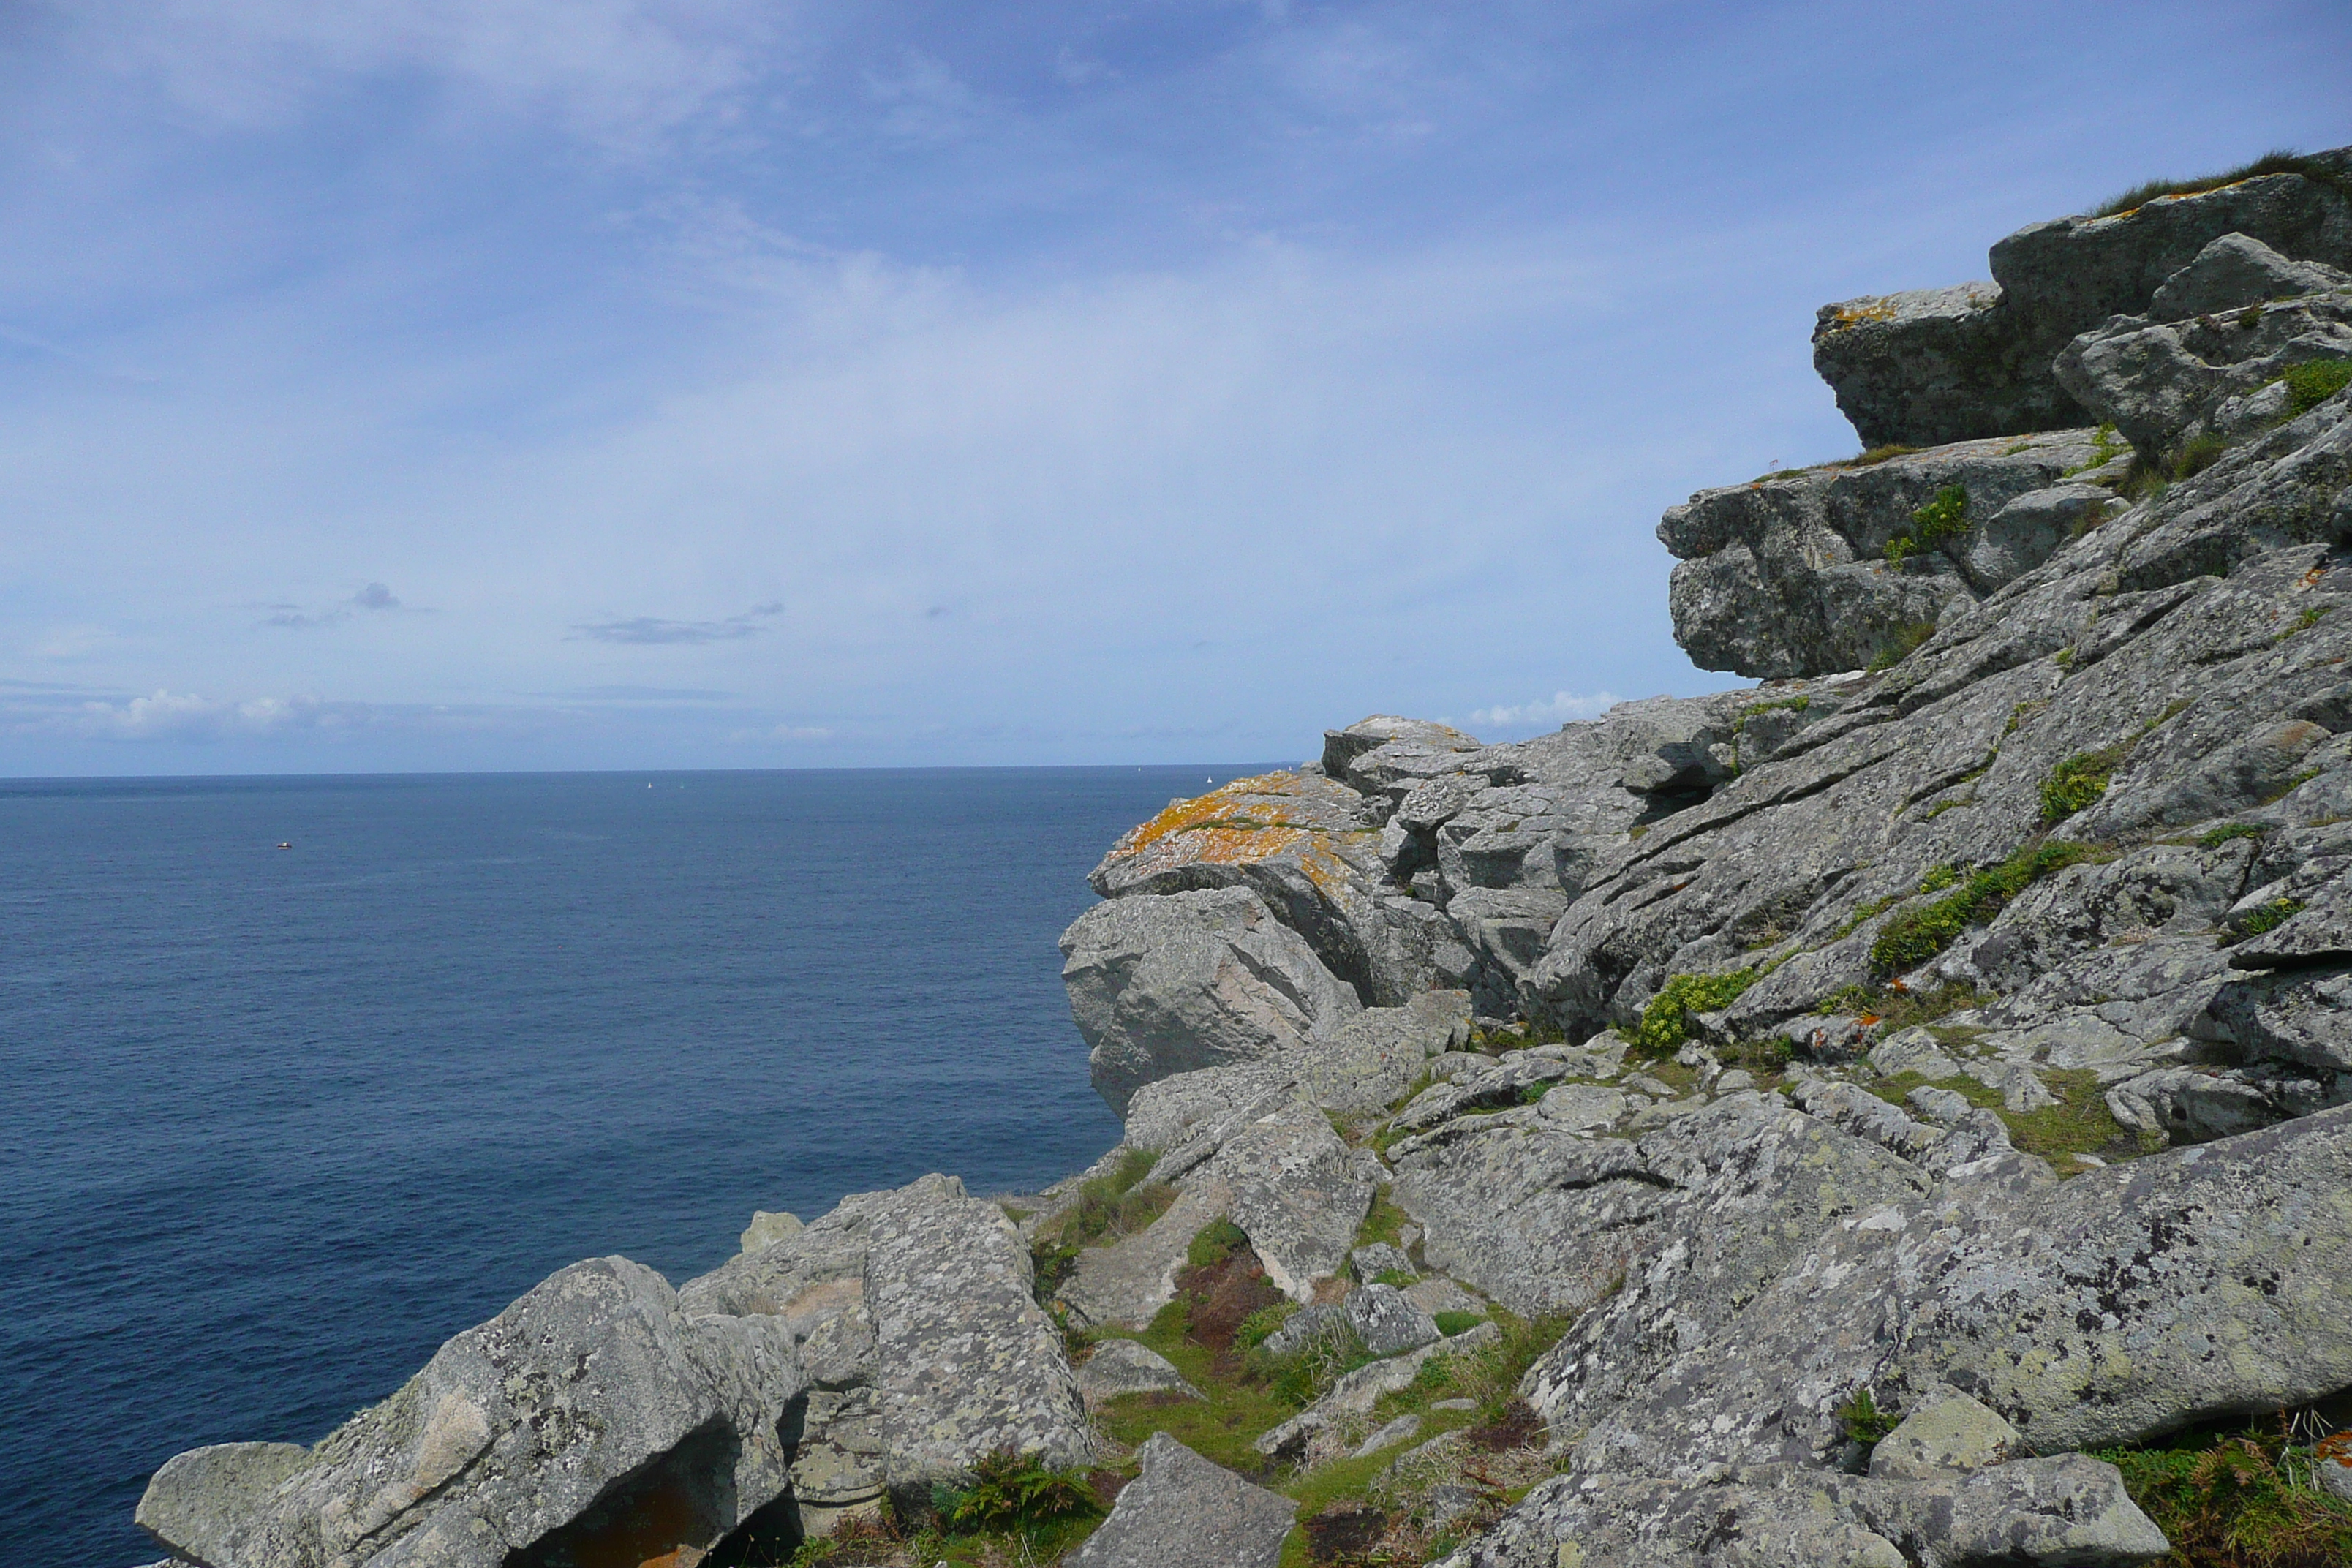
1221, 813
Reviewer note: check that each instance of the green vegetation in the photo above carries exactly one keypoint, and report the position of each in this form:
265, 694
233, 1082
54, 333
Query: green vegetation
2267, 917
1898, 1006
2200, 454
2309, 385
2279, 161
2240, 1500
1665, 1022
2310, 618
1917, 935
2079, 782
1452, 1323
1877, 455
1220, 1241
1107, 1207
2220, 836
1008, 1489
1938, 877
1865, 1422
1945, 516
1900, 644
1382, 1222
2106, 448
1765, 1059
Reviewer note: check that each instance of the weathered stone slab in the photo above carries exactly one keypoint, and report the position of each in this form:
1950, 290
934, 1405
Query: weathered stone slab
1183, 1511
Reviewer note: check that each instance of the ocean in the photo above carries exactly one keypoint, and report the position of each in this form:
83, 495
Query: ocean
299, 1077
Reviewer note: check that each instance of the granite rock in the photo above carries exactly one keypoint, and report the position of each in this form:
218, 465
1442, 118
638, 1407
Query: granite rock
1181, 1511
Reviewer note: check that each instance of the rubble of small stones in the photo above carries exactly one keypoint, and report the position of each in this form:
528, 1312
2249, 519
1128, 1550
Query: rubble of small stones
1956, 1026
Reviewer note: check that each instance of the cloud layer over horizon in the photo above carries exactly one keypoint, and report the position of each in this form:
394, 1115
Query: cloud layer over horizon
483, 384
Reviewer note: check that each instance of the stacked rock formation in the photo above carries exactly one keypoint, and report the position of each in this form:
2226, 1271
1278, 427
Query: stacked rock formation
1956, 1026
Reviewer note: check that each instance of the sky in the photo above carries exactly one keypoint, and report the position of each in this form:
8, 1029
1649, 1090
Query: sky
475, 385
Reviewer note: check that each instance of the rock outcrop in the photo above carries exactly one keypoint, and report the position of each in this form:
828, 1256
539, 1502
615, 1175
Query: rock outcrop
1940, 366
1860, 1095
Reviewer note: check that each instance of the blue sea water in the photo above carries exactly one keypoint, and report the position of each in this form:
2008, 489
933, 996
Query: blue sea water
275, 1122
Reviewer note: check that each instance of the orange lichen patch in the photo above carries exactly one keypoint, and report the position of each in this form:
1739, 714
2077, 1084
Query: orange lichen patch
1220, 812
1221, 846
1856, 312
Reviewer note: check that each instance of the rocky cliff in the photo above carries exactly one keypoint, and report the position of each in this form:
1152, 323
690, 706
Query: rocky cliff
1900, 1113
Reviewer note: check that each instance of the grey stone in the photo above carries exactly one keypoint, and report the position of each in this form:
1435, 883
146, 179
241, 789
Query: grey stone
1581, 1107
1441, 1295
1172, 984
1913, 1050
1954, 1433
1932, 366
1124, 1366
1944, 1107
1312, 1434
2335, 1475
1386, 1322
1403, 1430
1296, 1191
1305, 1326
515, 1432
766, 1227
1369, 1263
1183, 1511
2237, 270
1124, 1285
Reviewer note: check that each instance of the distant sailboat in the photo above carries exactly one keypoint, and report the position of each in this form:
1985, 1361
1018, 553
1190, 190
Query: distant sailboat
286, 844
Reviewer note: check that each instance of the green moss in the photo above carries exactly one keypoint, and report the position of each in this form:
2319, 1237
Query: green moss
1877, 455
1453, 1323
1917, 935
1665, 1022
1382, 1222
2220, 836
2079, 782
2309, 385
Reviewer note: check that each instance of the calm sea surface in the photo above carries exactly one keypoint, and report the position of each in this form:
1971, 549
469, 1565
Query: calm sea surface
275, 1123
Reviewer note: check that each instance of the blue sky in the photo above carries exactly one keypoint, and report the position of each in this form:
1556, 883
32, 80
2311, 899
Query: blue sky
525, 384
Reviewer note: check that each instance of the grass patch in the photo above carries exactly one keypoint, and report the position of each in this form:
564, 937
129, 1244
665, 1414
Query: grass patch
2198, 454
1917, 935
1382, 1222
1107, 1207
2240, 1500
1665, 1022
1453, 1323
2079, 782
1874, 456
2278, 161
1898, 1006
1900, 644
2266, 916
1219, 1241
2313, 383
2220, 836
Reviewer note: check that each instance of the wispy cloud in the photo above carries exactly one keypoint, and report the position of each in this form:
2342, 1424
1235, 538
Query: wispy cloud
639, 694
648, 630
187, 716
782, 732
375, 596
1558, 708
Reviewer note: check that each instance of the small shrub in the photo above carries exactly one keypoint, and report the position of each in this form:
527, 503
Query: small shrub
2309, 385
2198, 455
1938, 877
1901, 645
1865, 1422
1665, 1022
2078, 782
2106, 448
1008, 1489
2268, 917
1917, 935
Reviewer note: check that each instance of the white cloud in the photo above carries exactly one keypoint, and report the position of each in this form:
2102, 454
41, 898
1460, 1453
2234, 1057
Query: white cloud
618, 72
1558, 708
176, 716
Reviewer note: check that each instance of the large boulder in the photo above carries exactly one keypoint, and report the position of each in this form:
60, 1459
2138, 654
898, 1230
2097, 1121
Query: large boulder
913, 1315
1175, 983
594, 1409
1307, 845
1181, 1511
1789, 576
1934, 366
